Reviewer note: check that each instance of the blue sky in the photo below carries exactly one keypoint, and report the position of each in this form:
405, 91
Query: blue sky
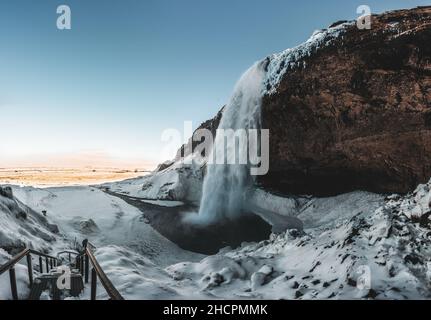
130, 69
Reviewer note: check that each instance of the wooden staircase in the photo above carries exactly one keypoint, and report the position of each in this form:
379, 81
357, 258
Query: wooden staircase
78, 262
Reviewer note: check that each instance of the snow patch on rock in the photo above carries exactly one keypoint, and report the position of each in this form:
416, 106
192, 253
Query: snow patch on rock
293, 58
182, 181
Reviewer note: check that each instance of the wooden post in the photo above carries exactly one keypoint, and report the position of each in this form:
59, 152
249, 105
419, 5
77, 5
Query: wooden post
70, 257
47, 264
13, 288
51, 263
93, 284
82, 265
30, 269
86, 268
40, 265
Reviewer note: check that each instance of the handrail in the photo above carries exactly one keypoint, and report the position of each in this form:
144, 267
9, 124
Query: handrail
12, 262
17, 258
68, 251
10, 265
91, 245
83, 261
42, 254
83, 264
97, 270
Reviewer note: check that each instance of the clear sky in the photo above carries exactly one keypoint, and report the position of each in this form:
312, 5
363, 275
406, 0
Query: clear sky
129, 69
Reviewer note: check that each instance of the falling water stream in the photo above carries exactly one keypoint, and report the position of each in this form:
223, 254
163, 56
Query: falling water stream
225, 185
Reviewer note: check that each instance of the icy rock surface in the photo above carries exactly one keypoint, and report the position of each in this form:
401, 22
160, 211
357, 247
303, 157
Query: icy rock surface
292, 58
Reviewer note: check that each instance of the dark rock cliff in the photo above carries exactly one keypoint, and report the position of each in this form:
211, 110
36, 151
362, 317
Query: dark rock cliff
358, 115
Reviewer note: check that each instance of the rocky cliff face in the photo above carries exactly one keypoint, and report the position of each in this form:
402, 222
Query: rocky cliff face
349, 109
211, 125
356, 114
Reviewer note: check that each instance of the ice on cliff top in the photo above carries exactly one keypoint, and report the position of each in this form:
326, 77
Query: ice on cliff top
280, 63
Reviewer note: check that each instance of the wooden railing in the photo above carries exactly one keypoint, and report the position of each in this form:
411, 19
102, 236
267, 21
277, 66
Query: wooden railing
69, 253
50, 263
83, 264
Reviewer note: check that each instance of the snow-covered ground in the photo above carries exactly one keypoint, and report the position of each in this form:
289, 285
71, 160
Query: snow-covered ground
119, 231
357, 245
87, 212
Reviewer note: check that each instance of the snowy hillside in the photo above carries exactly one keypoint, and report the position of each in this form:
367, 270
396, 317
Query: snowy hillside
21, 226
344, 238
119, 231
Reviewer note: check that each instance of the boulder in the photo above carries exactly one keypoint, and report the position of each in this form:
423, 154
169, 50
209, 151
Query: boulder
6, 192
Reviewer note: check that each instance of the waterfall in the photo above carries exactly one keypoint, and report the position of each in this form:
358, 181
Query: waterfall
225, 185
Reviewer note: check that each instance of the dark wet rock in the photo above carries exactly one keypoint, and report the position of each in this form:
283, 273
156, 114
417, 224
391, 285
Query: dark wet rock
21, 214
424, 220
351, 282
210, 125
372, 294
87, 226
53, 228
164, 165
413, 259
318, 263
6, 192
